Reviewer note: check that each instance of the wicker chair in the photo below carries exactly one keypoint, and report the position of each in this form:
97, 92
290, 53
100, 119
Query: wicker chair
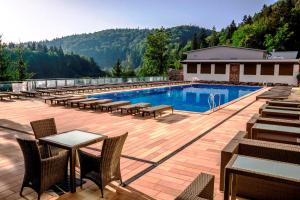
43, 128
202, 188
105, 168
41, 172
254, 188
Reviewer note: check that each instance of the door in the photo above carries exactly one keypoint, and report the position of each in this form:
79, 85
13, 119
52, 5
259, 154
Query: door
234, 75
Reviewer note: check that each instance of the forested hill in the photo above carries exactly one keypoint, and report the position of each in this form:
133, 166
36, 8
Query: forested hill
128, 45
275, 27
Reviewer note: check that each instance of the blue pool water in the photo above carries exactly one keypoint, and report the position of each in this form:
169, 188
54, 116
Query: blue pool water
188, 98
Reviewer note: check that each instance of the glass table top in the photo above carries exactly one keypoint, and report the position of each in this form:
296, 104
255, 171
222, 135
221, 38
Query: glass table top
280, 128
73, 138
269, 167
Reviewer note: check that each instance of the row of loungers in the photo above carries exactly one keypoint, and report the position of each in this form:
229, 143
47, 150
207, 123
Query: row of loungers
10, 95
103, 87
273, 134
108, 105
240, 83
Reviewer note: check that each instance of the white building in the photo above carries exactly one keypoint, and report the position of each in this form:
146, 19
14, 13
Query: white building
235, 64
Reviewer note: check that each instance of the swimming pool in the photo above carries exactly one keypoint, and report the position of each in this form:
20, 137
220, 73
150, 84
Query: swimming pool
193, 97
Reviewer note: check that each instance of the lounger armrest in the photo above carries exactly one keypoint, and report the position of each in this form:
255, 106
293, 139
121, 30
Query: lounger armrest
262, 108
226, 154
270, 150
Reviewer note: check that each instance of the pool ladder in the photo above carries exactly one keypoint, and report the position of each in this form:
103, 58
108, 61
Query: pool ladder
212, 103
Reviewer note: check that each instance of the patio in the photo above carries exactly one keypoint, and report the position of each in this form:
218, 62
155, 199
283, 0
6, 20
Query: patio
160, 157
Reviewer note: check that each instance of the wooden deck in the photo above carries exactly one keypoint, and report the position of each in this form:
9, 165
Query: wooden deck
160, 157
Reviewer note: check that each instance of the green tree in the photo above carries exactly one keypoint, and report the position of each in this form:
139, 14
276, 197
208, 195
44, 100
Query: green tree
128, 71
213, 39
21, 65
195, 44
5, 62
156, 54
117, 69
278, 41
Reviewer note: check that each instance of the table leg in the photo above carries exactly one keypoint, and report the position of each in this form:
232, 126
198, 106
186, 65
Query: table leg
72, 170
226, 185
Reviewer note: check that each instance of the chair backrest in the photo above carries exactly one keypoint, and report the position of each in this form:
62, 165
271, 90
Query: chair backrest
44, 127
32, 157
110, 157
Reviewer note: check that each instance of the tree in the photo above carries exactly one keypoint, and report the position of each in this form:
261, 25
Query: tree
156, 54
195, 42
213, 39
4, 62
117, 69
278, 41
21, 65
128, 72
202, 40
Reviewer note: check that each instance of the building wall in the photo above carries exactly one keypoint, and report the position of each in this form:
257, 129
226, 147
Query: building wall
225, 53
276, 78
205, 77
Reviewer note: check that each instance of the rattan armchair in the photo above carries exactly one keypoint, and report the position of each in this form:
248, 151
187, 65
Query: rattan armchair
41, 172
254, 188
202, 188
45, 127
105, 168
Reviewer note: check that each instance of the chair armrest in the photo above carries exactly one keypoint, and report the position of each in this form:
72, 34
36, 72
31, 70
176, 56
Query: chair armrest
55, 163
202, 188
88, 162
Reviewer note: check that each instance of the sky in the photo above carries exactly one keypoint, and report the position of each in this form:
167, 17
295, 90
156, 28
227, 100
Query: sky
35, 20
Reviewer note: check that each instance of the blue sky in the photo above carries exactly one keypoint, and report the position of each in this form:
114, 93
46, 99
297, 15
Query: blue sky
27, 20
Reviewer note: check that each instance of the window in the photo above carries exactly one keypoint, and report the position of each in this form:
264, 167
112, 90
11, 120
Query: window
205, 68
220, 68
192, 68
267, 69
286, 69
250, 69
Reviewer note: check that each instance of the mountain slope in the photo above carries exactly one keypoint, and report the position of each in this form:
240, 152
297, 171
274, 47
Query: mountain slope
125, 44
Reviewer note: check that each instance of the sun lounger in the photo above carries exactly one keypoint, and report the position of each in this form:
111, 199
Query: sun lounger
3, 95
276, 133
263, 120
283, 114
93, 104
66, 99
30, 93
266, 106
16, 94
284, 103
72, 103
52, 98
255, 188
113, 105
156, 110
133, 108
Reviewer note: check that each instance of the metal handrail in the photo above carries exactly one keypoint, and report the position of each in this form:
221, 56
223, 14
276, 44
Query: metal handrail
211, 101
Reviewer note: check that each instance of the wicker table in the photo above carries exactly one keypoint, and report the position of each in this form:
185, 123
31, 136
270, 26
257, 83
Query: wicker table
72, 141
264, 169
